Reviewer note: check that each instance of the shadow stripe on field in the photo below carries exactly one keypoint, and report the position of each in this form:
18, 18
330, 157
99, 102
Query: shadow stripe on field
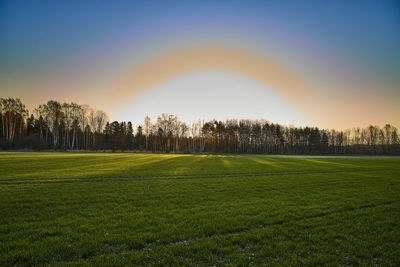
17, 181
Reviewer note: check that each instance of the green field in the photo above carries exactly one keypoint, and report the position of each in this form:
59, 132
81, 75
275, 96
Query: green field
156, 209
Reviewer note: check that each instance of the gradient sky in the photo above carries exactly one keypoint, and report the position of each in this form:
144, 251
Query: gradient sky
330, 64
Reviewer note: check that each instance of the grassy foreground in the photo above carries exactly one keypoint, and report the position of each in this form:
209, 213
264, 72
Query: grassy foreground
124, 209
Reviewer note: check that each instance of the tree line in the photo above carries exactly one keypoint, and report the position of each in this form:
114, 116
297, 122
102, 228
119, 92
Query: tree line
70, 126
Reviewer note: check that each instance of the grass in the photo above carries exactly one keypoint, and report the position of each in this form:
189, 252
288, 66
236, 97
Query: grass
155, 209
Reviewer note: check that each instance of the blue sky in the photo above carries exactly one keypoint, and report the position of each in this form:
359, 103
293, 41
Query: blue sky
348, 43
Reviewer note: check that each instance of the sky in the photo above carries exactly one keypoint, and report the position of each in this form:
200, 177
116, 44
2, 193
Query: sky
331, 64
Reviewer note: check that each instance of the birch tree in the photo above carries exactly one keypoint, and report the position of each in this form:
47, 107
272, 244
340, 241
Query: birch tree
147, 130
13, 114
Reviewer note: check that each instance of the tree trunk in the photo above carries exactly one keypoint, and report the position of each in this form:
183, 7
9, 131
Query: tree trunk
73, 138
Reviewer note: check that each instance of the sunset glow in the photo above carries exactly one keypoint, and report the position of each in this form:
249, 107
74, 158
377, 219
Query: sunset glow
334, 72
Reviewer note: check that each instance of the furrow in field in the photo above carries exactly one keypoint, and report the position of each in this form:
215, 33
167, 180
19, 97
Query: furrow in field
262, 226
175, 177
191, 240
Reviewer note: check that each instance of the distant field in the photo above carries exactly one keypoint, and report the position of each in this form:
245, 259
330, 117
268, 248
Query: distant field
155, 209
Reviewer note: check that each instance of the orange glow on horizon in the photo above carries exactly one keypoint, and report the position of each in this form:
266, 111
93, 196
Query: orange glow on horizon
179, 62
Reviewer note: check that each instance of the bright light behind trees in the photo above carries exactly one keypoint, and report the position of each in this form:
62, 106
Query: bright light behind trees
211, 95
